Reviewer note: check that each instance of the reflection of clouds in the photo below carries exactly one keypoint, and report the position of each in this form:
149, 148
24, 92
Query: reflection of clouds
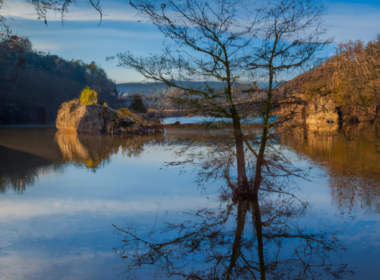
27, 209
363, 240
83, 264
64, 239
11, 209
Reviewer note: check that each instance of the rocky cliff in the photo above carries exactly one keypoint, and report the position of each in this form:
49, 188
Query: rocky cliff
312, 99
97, 119
317, 113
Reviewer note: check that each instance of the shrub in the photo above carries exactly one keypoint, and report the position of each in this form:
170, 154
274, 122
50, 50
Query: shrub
88, 96
125, 111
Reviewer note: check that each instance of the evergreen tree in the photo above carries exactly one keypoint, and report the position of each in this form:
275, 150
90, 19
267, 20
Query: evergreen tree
138, 104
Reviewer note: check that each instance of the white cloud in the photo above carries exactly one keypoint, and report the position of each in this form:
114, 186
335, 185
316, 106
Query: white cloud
344, 20
78, 12
82, 38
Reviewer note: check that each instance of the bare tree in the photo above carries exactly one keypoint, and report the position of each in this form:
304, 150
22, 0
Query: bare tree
218, 41
42, 7
238, 46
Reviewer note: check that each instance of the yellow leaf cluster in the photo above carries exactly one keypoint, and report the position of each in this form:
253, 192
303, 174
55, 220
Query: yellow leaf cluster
88, 96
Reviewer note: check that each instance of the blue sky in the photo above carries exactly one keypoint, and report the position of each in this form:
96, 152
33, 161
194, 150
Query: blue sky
81, 37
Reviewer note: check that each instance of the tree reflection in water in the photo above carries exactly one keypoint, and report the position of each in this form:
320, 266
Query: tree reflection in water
353, 189
23, 158
351, 161
266, 243
249, 236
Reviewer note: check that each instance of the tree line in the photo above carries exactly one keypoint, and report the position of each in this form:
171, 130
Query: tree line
351, 78
34, 84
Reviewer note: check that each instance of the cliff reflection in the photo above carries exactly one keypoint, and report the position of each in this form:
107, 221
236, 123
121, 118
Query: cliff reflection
249, 239
351, 159
25, 154
92, 151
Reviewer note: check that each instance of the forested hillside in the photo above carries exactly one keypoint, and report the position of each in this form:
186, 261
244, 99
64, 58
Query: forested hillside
351, 78
33, 84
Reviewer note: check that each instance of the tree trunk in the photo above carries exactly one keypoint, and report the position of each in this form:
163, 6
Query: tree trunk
240, 158
242, 211
256, 218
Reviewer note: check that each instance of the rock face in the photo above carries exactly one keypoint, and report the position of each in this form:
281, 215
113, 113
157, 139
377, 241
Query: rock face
97, 119
317, 104
322, 114
313, 114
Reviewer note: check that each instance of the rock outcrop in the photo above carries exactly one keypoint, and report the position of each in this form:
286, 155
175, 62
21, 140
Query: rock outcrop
97, 119
313, 100
312, 113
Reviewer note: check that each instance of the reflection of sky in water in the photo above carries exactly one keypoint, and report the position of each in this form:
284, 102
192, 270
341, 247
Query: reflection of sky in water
185, 120
61, 227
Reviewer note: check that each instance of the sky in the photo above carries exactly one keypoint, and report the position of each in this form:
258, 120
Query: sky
81, 36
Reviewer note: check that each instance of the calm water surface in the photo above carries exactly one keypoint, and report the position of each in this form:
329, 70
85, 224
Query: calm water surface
61, 194
198, 119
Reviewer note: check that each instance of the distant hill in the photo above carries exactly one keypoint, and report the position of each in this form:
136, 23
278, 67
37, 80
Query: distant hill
32, 91
159, 87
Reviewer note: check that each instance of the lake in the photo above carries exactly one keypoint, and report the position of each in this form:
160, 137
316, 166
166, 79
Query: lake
69, 204
200, 119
